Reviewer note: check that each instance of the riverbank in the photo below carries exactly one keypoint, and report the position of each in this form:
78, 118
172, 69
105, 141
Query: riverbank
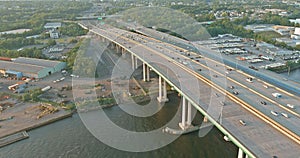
25, 118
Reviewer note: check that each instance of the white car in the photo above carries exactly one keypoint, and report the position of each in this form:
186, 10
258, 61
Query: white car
290, 106
274, 113
285, 115
243, 122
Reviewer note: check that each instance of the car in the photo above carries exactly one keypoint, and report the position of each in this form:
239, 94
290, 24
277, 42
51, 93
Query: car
249, 79
242, 122
263, 102
266, 86
274, 113
290, 106
277, 95
216, 94
235, 92
222, 103
231, 87
215, 76
285, 115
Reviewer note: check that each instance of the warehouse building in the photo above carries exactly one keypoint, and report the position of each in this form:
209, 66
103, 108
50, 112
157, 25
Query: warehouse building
31, 67
54, 25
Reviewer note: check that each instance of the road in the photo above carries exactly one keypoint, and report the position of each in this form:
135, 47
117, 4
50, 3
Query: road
252, 135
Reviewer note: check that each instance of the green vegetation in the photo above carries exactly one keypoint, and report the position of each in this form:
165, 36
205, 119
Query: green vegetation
72, 29
32, 95
226, 26
268, 35
15, 43
292, 65
30, 52
34, 15
80, 63
51, 42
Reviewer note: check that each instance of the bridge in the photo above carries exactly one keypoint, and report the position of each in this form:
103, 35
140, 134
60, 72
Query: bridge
264, 135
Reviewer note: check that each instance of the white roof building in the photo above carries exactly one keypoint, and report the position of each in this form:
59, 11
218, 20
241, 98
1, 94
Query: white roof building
54, 25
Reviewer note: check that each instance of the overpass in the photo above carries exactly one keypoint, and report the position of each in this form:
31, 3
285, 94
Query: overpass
264, 135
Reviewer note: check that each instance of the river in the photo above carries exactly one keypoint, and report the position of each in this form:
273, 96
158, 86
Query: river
294, 75
69, 138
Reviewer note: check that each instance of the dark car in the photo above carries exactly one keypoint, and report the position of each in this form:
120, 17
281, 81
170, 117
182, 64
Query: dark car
235, 92
263, 102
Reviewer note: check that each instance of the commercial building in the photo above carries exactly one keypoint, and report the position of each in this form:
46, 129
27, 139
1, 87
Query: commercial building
54, 25
54, 33
31, 67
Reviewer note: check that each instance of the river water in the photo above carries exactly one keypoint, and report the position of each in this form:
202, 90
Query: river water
294, 75
70, 138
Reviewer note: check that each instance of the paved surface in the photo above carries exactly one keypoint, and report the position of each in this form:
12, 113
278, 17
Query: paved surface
258, 136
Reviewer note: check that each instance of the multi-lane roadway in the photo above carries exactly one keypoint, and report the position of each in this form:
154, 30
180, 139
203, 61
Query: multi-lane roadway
264, 135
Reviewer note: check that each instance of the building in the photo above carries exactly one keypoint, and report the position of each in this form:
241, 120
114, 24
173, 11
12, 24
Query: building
31, 67
283, 30
54, 33
50, 26
296, 21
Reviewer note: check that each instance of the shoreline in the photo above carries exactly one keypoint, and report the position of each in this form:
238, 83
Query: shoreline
17, 126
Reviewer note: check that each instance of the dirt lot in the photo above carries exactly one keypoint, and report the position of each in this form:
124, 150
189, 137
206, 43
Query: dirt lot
24, 116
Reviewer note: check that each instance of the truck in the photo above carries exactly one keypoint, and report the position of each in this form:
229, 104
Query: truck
13, 87
46, 88
277, 95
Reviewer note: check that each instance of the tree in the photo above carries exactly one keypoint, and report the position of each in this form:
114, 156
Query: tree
51, 42
26, 97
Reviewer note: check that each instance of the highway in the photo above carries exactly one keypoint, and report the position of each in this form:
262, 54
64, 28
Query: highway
206, 52
258, 136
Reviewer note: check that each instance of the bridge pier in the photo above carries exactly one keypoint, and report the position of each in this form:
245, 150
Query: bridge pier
136, 62
123, 52
132, 61
186, 120
205, 119
118, 48
241, 154
162, 92
103, 39
146, 73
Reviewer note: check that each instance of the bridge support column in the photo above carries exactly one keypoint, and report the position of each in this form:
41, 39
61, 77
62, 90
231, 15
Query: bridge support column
205, 119
144, 72
148, 73
123, 53
132, 61
136, 62
186, 116
240, 153
189, 114
162, 91
118, 48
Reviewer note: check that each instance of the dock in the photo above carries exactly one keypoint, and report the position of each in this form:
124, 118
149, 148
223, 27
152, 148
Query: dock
13, 138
